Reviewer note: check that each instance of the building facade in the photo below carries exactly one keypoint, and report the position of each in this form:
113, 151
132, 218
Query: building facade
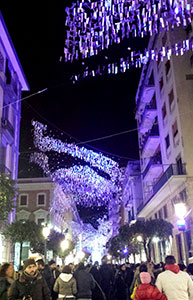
12, 83
164, 115
132, 193
44, 202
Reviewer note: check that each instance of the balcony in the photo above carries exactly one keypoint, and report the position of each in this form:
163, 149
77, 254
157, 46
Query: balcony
8, 128
154, 167
167, 184
149, 115
145, 95
11, 88
151, 141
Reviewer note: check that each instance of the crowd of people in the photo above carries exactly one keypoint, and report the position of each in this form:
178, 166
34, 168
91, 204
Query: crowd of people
36, 280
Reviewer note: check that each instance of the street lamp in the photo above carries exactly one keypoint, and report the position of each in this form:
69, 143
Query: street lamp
181, 211
46, 233
139, 238
64, 244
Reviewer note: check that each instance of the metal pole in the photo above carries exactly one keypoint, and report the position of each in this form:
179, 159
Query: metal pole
45, 250
186, 248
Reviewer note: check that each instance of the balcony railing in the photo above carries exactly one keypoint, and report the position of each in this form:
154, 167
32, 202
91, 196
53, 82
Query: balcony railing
153, 161
172, 170
149, 107
153, 132
5, 124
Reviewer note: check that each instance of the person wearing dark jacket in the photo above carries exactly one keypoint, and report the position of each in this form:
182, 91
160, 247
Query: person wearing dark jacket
122, 284
65, 284
55, 274
146, 291
6, 271
31, 285
107, 279
46, 273
97, 293
85, 283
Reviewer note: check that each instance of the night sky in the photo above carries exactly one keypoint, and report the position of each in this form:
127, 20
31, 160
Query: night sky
89, 109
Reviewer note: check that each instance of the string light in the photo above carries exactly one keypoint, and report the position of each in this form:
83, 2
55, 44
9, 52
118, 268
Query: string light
97, 160
94, 26
137, 59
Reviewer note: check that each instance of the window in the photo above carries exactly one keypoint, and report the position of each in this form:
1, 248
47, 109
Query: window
164, 112
183, 195
1, 62
165, 211
171, 97
160, 214
151, 79
41, 199
155, 215
41, 221
167, 67
7, 73
175, 129
167, 140
161, 83
23, 200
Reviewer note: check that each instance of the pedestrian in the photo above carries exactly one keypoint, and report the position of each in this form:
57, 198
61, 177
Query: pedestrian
46, 273
182, 267
55, 273
72, 267
146, 291
174, 283
190, 270
31, 285
65, 284
122, 284
107, 278
85, 283
6, 272
97, 293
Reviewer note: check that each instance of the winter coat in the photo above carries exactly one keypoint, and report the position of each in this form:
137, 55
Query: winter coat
48, 276
97, 293
148, 292
65, 285
34, 286
85, 284
107, 277
55, 274
4, 285
175, 286
121, 285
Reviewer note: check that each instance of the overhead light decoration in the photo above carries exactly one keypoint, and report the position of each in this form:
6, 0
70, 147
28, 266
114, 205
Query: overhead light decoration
86, 185
93, 26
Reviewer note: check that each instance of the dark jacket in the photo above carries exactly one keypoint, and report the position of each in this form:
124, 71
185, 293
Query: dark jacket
48, 276
85, 284
26, 286
4, 285
107, 277
148, 292
122, 285
97, 293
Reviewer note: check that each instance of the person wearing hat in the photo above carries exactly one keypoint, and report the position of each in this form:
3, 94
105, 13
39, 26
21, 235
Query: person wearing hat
31, 285
46, 272
55, 274
147, 291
